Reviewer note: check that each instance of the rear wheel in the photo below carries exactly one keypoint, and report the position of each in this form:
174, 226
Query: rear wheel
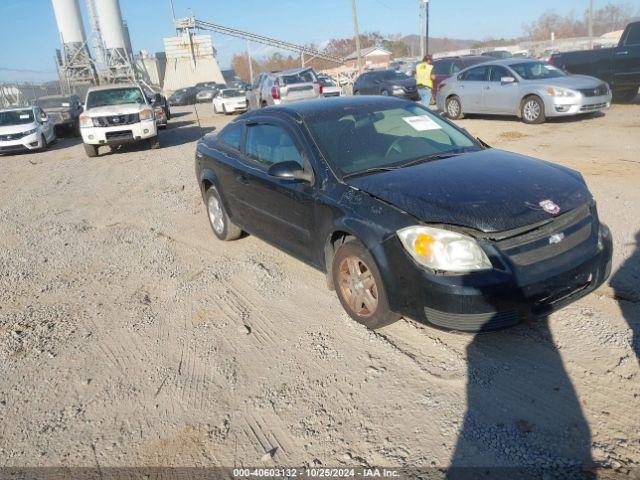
91, 150
453, 106
222, 226
532, 110
359, 286
625, 96
384, 93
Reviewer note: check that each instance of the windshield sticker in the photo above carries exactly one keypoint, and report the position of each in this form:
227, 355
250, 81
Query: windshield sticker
24, 116
422, 123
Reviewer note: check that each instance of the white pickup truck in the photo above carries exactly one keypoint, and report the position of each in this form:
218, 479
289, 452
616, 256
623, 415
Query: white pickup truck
115, 115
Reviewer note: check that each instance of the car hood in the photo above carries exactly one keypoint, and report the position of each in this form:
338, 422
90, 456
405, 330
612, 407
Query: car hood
124, 109
57, 110
10, 129
570, 81
489, 190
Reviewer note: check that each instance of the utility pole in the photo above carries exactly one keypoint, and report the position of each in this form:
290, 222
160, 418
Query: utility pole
250, 62
420, 29
426, 27
357, 33
591, 24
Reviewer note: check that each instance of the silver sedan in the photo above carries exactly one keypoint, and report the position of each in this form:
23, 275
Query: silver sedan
531, 89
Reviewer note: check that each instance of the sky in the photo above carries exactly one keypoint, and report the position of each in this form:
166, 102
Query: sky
29, 37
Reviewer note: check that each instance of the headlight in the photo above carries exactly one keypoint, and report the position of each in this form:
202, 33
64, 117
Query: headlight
561, 92
398, 90
443, 250
29, 132
146, 114
86, 121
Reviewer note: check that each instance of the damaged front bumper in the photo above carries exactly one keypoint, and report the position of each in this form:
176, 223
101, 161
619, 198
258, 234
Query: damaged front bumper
496, 298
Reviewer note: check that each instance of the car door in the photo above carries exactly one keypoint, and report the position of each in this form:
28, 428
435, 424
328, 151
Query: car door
626, 59
46, 123
499, 96
279, 210
365, 84
470, 88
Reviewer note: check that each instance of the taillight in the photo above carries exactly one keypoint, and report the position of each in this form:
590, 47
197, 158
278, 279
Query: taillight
320, 88
275, 93
551, 61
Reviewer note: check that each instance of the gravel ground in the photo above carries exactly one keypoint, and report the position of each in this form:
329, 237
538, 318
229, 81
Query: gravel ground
130, 336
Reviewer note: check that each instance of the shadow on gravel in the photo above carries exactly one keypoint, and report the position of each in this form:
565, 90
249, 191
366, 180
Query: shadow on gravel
523, 418
626, 286
176, 135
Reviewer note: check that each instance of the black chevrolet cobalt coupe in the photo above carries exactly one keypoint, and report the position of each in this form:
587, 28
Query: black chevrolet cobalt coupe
407, 214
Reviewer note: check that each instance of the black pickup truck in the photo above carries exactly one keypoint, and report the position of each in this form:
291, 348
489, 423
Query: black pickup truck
618, 66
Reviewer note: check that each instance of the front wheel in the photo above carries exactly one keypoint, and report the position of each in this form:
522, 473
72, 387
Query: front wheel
222, 226
154, 143
532, 110
625, 96
91, 150
359, 286
453, 107
43, 143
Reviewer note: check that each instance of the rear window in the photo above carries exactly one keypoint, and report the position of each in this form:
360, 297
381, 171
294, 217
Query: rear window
302, 77
442, 67
389, 75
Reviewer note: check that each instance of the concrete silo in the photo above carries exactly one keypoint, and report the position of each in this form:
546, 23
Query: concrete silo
115, 39
74, 60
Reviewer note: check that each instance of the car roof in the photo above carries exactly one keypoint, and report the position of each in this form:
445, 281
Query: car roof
311, 108
113, 86
53, 97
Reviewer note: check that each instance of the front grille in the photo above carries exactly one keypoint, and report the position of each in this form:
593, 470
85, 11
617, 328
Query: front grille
549, 240
11, 137
121, 135
12, 148
593, 108
116, 120
600, 90
477, 322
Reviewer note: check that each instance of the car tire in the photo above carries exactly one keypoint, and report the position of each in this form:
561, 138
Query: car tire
224, 109
263, 105
91, 150
222, 226
532, 110
625, 96
43, 143
356, 92
154, 143
359, 285
453, 108
168, 114
385, 93
215, 109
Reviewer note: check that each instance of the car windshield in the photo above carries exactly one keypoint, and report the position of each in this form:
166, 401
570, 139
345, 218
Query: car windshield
357, 140
58, 102
232, 93
537, 70
116, 96
16, 117
390, 75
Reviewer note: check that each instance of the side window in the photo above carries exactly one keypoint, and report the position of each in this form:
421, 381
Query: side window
443, 67
269, 144
256, 81
230, 135
477, 74
633, 37
497, 73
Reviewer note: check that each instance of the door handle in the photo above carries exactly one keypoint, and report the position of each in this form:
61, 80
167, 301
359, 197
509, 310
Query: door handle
625, 52
242, 179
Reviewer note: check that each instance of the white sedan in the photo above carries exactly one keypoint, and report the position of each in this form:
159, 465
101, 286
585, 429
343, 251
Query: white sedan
230, 100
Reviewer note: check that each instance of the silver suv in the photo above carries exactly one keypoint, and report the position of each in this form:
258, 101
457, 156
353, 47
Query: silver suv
288, 86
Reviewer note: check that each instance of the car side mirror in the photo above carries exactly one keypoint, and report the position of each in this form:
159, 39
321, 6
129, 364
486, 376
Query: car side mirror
507, 80
289, 170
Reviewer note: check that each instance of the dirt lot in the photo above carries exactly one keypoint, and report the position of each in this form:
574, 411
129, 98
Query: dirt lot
130, 336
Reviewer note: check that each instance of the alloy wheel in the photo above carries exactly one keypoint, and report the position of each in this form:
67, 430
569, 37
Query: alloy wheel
531, 110
216, 215
453, 108
358, 286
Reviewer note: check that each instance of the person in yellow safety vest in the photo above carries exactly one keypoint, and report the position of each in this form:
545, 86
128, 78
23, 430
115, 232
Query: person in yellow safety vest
424, 79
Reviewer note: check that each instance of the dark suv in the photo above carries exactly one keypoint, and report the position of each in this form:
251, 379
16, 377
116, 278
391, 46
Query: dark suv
386, 82
444, 68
